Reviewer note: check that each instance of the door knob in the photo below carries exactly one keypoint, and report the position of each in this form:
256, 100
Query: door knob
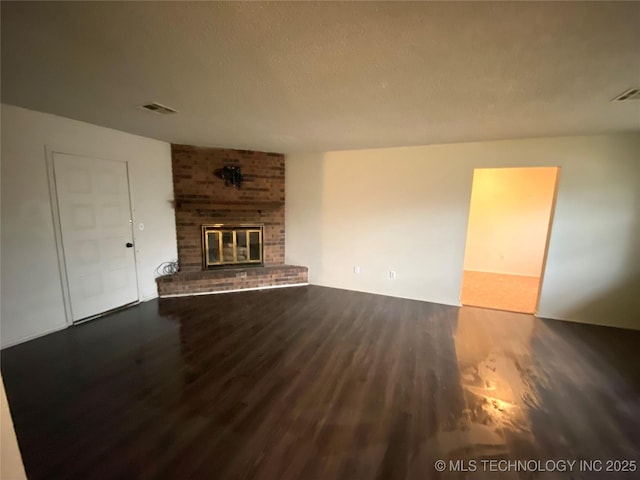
129, 244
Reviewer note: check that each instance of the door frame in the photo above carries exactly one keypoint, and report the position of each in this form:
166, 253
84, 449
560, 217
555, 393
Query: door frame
50, 151
552, 215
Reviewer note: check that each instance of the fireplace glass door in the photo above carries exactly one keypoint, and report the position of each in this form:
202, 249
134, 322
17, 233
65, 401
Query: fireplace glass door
232, 245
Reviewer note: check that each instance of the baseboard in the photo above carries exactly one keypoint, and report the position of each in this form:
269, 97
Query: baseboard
503, 273
34, 336
403, 297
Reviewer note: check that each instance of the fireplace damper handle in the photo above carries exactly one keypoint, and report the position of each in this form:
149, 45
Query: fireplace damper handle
129, 245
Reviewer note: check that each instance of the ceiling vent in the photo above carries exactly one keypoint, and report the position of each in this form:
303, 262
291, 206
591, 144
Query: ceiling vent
631, 94
158, 108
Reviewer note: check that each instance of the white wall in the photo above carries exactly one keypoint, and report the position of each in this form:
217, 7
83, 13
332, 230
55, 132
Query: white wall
407, 209
32, 302
509, 220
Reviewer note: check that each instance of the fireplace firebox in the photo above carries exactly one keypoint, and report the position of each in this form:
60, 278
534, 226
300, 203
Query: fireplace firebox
231, 245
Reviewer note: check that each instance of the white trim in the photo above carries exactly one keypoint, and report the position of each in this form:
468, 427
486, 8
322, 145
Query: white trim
132, 223
57, 230
235, 290
50, 151
34, 336
108, 312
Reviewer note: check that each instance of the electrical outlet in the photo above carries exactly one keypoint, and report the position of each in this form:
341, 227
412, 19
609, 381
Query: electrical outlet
356, 269
392, 274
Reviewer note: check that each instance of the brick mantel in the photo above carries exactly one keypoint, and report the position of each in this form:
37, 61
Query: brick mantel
202, 198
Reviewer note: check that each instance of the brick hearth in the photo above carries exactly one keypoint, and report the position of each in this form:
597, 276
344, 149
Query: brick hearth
201, 198
210, 281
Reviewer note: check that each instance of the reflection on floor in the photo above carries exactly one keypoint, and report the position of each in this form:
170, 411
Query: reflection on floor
319, 383
513, 293
490, 354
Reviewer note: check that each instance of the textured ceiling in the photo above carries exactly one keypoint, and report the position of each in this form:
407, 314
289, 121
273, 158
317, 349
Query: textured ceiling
325, 76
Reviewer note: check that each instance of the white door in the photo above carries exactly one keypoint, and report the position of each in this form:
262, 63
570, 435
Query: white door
97, 236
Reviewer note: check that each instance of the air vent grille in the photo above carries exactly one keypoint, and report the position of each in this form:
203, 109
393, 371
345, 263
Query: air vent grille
158, 108
631, 94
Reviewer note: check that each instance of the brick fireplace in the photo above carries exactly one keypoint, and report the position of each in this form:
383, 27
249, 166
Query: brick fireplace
203, 199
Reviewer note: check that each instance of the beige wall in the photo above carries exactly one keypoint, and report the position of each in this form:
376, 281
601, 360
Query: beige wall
11, 467
32, 302
509, 220
406, 209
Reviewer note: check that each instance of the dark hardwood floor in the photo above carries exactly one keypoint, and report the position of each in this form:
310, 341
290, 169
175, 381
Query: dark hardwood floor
319, 383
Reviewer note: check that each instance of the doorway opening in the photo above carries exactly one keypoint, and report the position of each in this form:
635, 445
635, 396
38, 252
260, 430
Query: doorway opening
507, 236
